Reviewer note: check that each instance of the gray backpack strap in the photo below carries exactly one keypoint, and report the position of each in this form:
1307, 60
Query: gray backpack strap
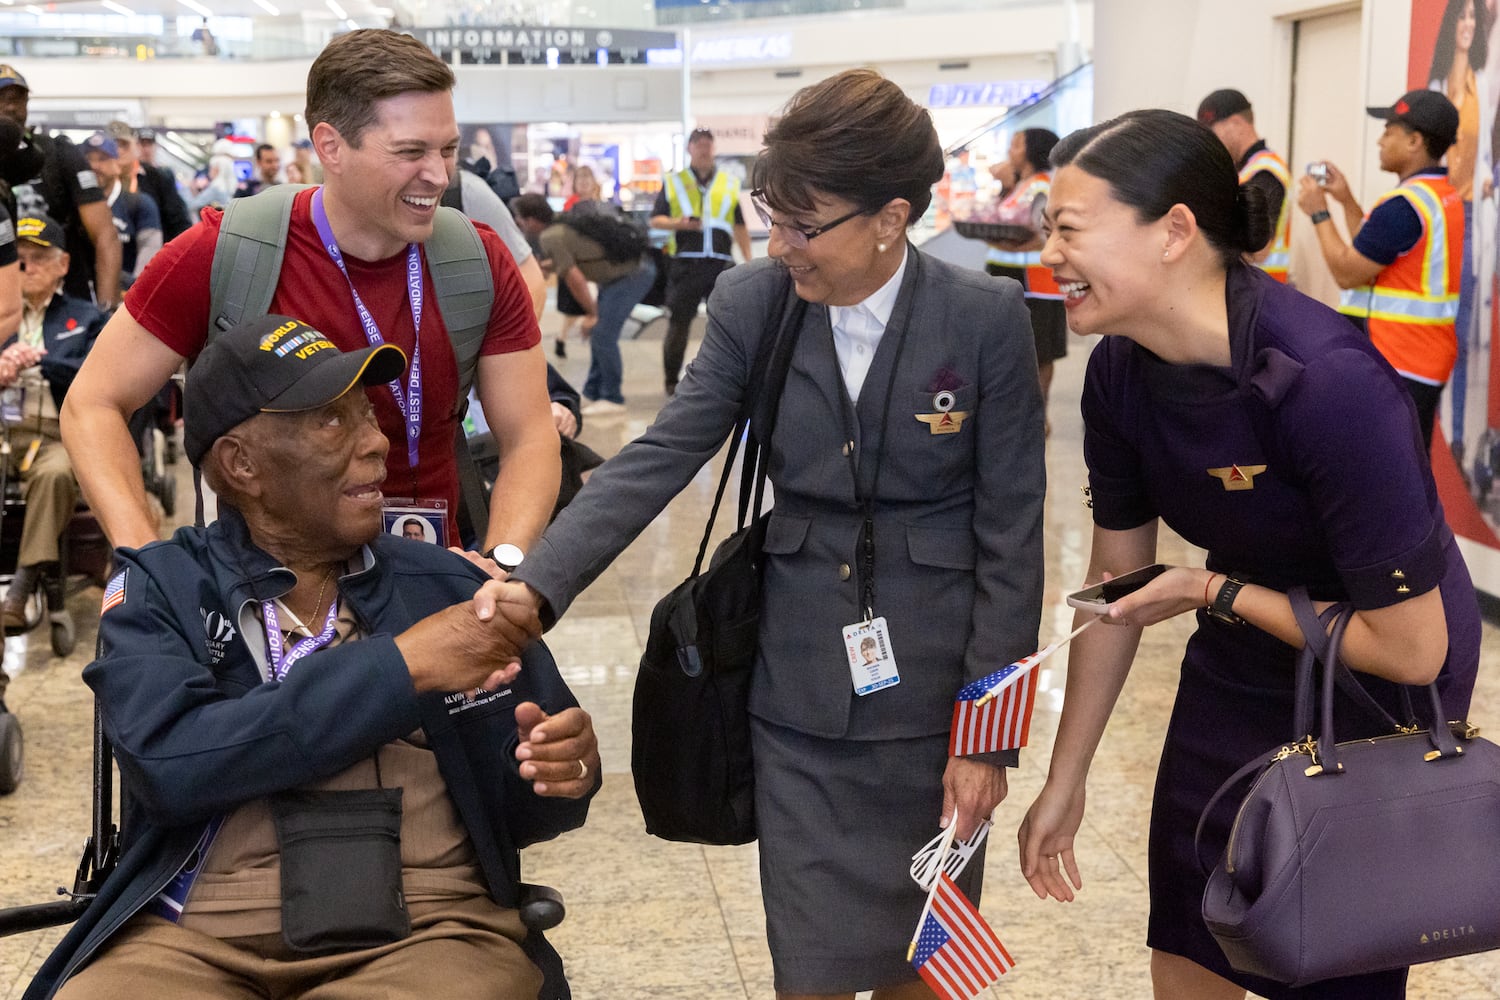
247, 256
465, 289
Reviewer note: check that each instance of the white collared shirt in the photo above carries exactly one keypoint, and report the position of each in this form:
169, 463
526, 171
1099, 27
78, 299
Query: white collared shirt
857, 329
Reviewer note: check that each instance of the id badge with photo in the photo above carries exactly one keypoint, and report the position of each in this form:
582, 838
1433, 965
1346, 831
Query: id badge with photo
419, 520
872, 662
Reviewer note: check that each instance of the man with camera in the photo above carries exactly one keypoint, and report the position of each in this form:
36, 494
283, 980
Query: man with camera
1400, 277
1229, 116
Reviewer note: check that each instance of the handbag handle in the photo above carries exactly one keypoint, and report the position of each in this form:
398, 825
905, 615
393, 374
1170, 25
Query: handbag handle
1315, 639
1443, 742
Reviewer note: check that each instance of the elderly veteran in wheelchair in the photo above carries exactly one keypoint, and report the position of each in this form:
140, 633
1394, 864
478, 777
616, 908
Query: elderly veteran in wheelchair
332, 745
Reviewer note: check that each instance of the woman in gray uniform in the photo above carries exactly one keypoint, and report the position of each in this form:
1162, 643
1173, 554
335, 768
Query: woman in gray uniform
910, 418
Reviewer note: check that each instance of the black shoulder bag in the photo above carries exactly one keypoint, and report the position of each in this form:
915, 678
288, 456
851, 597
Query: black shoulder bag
690, 722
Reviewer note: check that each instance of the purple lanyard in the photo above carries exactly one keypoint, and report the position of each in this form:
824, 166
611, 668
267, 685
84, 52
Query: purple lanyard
410, 402
280, 663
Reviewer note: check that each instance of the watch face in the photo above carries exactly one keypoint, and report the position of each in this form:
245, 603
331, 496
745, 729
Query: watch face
508, 556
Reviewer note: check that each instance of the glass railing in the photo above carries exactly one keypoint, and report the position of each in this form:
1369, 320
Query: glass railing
968, 191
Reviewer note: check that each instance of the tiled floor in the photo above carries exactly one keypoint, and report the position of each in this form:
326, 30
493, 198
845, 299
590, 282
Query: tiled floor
649, 919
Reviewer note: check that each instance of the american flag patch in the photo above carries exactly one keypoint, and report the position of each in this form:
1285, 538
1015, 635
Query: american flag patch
114, 594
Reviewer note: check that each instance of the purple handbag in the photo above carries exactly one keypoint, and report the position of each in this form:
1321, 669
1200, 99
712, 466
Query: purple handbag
1361, 856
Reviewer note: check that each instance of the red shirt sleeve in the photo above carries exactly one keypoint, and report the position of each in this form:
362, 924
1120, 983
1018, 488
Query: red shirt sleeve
513, 326
171, 297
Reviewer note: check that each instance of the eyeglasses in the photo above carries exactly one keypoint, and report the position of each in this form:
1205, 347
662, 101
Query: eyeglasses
797, 238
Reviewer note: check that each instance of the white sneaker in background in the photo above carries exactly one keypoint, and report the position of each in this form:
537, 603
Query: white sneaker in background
603, 408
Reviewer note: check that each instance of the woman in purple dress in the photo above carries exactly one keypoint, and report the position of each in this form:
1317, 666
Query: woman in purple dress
1258, 425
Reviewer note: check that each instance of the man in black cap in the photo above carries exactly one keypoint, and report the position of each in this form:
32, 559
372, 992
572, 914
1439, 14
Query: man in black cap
700, 206
65, 188
334, 741
37, 365
1401, 276
137, 217
1229, 116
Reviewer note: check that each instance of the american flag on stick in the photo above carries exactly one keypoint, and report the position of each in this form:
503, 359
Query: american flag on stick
956, 952
994, 712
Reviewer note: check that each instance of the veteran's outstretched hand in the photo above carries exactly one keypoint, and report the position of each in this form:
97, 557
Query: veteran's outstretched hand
559, 754
472, 645
1046, 840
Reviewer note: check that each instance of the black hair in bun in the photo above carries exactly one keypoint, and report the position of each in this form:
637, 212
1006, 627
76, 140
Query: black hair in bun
1154, 159
1252, 219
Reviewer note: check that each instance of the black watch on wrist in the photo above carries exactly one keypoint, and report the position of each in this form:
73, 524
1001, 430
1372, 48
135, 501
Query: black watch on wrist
1321, 215
506, 556
1223, 606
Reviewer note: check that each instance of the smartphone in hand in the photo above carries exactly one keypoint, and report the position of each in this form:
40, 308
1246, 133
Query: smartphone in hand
1100, 596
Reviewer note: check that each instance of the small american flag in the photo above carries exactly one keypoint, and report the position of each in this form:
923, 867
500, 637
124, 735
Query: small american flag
1000, 722
114, 594
957, 953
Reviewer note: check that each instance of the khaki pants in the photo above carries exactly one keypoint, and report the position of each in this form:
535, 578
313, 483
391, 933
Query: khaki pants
462, 948
51, 492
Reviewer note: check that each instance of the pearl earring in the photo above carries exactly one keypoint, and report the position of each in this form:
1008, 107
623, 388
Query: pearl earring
881, 247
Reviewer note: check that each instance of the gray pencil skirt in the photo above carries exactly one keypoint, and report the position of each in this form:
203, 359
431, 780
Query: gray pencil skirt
838, 822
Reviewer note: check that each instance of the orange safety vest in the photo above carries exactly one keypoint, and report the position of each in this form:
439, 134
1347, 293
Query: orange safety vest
1280, 257
1412, 305
1039, 283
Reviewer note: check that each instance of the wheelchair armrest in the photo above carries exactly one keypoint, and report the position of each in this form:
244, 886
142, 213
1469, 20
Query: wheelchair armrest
541, 906
20, 919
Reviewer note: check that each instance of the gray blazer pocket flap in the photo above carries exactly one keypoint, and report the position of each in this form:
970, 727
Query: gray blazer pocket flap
946, 548
785, 534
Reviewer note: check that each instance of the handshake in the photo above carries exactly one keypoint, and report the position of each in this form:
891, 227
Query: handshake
476, 645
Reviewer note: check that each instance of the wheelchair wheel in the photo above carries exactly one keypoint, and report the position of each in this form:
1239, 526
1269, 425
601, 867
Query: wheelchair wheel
63, 636
157, 478
12, 756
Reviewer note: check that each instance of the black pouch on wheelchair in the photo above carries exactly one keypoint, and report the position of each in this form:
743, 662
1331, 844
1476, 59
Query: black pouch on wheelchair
340, 869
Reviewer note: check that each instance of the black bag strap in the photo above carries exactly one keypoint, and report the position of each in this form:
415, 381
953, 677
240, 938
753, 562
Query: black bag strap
768, 374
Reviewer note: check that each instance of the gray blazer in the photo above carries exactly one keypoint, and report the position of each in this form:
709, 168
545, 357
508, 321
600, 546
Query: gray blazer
958, 516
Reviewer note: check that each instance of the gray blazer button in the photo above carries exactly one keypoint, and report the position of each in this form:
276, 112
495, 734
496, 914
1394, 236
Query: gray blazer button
848, 447
844, 571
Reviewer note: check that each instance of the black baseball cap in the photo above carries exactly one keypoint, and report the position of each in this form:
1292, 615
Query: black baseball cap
1221, 104
41, 229
274, 364
1425, 111
146, 134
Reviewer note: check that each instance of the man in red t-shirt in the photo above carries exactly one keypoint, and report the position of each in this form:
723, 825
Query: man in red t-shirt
380, 106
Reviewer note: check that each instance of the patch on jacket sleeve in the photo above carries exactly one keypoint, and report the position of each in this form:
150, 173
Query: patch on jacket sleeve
114, 594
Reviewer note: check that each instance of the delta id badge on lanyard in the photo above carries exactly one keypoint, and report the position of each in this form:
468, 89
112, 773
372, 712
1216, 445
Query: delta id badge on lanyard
419, 520
872, 664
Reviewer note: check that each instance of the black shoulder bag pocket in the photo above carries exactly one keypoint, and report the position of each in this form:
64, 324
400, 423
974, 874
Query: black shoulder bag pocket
340, 869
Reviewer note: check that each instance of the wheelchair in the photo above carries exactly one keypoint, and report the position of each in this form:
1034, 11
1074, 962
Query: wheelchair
541, 907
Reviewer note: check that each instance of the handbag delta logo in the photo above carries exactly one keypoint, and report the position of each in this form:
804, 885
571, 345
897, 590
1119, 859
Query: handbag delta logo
1447, 934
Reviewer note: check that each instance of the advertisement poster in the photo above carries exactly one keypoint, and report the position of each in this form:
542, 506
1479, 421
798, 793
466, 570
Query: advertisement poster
1453, 50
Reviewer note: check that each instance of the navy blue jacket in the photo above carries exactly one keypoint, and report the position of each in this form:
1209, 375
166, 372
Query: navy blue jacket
196, 731
69, 328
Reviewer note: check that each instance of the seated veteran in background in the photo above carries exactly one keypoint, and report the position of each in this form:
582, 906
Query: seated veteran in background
37, 365
333, 746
